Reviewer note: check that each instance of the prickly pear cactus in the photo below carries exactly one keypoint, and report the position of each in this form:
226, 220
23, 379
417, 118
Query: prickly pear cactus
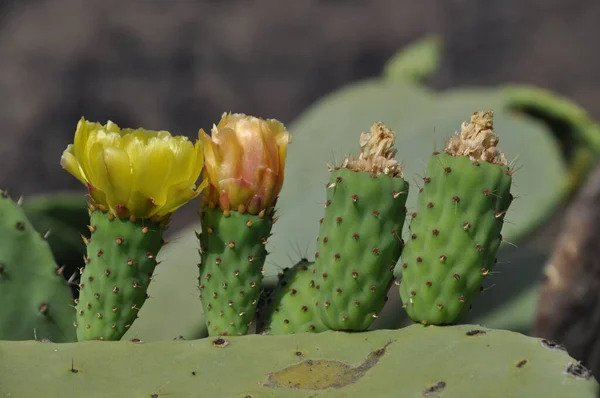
119, 267
244, 168
456, 231
449, 362
36, 298
360, 236
232, 256
291, 308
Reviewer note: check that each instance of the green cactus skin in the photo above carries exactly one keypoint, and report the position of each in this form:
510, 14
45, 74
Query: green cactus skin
453, 237
358, 247
36, 299
417, 361
291, 308
233, 253
120, 261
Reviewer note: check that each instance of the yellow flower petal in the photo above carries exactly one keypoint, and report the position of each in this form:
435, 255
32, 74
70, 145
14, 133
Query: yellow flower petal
69, 162
135, 171
153, 170
119, 174
98, 172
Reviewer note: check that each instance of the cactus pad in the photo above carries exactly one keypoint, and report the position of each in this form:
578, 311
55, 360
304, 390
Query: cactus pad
36, 298
233, 253
449, 362
455, 233
360, 236
291, 307
121, 258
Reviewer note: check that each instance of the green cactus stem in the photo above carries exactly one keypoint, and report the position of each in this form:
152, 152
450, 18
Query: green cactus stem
360, 236
456, 231
120, 261
233, 253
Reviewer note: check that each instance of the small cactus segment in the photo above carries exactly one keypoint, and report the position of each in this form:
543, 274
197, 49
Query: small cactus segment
120, 261
455, 233
245, 161
291, 308
233, 254
360, 236
36, 298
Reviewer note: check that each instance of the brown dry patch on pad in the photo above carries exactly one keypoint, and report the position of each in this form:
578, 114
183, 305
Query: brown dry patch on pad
322, 374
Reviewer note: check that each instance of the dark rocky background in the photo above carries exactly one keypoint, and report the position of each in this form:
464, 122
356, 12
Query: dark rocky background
179, 64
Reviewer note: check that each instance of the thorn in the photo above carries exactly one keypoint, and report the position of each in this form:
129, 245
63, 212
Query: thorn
72, 278
85, 240
46, 235
20, 201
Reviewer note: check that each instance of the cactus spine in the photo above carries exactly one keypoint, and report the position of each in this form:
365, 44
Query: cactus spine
455, 233
360, 236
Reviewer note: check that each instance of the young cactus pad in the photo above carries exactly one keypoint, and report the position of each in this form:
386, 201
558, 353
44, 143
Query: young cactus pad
360, 236
449, 362
291, 306
245, 161
119, 266
232, 257
36, 298
455, 232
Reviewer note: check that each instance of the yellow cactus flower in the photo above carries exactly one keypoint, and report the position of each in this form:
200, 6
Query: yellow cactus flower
244, 163
135, 172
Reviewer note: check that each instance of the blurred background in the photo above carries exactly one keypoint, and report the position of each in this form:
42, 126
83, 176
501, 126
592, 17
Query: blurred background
178, 65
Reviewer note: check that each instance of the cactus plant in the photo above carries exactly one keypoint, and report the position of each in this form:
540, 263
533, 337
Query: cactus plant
291, 306
360, 236
526, 117
136, 179
456, 231
245, 159
36, 299
415, 361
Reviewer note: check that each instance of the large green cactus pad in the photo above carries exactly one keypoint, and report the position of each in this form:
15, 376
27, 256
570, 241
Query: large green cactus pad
449, 362
35, 299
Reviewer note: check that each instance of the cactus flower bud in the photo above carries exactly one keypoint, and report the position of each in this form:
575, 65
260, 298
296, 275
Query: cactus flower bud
244, 163
134, 172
